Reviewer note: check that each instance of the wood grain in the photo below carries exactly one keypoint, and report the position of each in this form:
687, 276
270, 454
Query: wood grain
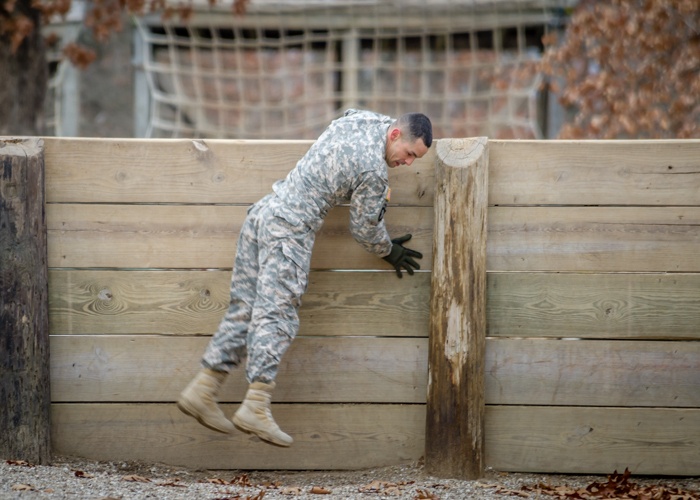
612, 305
596, 239
83, 170
202, 236
592, 373
190, 302
105, 368
454, 443
325, 436
664, 172
588, 239
24, 312
656, 441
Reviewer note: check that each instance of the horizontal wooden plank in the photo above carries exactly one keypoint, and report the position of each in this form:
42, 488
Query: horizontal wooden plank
655, 441
193, 302
233, 171
665, 172
86, 170
520, 239
325, 436
156, 369
386, 370
592, 373
612, 305
596, 239
202, 236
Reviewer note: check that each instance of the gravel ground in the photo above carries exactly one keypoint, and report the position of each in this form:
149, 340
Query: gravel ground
75, 478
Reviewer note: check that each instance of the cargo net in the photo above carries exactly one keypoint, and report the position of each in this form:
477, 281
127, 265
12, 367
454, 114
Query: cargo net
284, 70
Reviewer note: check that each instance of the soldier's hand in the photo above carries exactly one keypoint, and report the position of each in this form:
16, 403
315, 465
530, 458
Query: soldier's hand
402, 257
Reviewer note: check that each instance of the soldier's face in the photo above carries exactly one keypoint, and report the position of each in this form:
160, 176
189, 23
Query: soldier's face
403, 152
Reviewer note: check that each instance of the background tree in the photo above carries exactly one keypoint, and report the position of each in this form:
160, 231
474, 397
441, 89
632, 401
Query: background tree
629, 69
23, 61
23, 68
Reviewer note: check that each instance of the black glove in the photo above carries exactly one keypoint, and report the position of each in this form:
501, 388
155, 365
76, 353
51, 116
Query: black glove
402, 257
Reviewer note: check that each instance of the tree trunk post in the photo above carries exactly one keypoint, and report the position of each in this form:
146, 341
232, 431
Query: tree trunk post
454, 437
24, 320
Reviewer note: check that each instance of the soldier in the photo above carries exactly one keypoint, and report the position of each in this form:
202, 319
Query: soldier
348, 163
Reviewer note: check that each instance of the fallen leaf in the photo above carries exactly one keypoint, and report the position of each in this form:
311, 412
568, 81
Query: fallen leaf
22, 463
172, 482
486, 485
425, 495
291, 490
317, 490
505, 491
617, 486
83, 475
376, 486
440, 486
136, 479
242, 480
216, 480
23, 487
392, 490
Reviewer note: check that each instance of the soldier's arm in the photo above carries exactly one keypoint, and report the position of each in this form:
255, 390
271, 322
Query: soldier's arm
367, 208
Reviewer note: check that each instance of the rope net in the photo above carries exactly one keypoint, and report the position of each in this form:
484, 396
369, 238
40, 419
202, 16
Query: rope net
284, 70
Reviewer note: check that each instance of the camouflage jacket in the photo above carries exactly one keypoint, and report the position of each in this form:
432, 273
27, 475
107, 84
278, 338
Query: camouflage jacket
345, 165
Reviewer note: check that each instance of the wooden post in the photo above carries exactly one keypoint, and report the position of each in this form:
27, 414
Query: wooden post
454, 437
24, 321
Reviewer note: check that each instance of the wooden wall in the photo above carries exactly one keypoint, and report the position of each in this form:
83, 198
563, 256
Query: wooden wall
593, 362
596, 241
142, 238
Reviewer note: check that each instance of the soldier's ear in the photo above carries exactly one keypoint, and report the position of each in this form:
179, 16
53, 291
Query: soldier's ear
394, 134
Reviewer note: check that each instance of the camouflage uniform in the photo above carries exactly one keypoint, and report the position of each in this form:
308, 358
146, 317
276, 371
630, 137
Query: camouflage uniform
345, 165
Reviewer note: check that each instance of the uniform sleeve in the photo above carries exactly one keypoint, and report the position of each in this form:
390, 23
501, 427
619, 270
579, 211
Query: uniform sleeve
367, 207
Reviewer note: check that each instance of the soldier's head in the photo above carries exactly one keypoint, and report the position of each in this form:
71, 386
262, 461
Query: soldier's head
408, 138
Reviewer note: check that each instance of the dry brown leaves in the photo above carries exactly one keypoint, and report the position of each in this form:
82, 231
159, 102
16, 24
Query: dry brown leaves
259, 496
390, 489
22, 487
136, 479
19, 463
617, 486
629, 68
244, 481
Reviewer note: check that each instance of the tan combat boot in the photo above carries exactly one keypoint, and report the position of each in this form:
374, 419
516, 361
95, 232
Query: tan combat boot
198, 400
254, 416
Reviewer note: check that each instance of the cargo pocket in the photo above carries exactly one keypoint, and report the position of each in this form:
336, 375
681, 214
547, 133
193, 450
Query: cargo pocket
293, 274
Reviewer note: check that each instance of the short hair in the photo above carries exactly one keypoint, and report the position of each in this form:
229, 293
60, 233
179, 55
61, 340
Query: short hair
418, 126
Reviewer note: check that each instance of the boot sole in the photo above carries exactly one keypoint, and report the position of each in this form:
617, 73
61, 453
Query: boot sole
189, 411
245, 430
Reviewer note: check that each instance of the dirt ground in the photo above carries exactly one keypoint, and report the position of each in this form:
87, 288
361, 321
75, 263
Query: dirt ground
76, 478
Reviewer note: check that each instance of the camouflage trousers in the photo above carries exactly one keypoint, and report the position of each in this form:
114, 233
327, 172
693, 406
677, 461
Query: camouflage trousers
270, 275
